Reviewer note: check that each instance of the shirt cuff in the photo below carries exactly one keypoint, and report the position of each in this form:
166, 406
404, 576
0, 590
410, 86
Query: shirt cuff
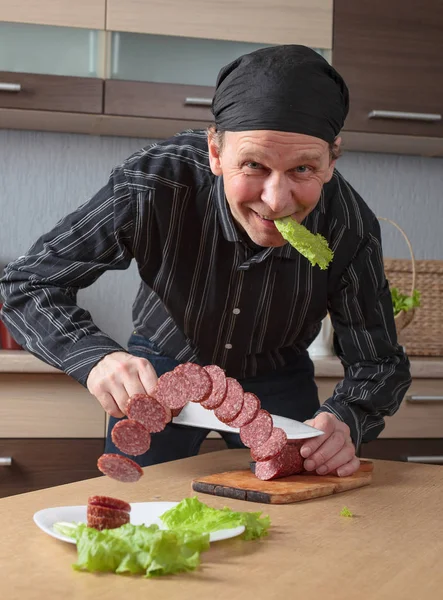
86, 353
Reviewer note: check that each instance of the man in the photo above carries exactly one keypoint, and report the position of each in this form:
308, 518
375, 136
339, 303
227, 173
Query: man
219, 285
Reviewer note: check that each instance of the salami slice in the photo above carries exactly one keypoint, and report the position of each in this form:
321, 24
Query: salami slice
109, 502
186, 383
119, 467
250, 408
219, 386
101, 523
273, 446
131, 437
107, 513
258, 431
288, 462
149, 412
233, 402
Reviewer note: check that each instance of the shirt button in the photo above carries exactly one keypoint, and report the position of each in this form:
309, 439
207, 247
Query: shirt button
236, 311
228, 346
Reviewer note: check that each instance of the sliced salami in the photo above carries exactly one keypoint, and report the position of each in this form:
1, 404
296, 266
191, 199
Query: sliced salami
250, 408
119, 467
219, 386
186, 383
109, 502
107, 513
149, 412
273, 446
131, 437
288, 462
233, 402
101, 523
258, 431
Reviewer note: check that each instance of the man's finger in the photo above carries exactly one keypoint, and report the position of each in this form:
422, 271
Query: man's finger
312, 444
330, 447
109, 405
349, 468
343, 457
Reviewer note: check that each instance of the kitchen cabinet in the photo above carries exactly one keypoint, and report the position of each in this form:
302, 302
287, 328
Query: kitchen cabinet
51, 428
389, 53
81, 13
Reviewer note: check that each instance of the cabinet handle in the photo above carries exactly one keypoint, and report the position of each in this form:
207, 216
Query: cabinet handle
432, 460
10, 87
5, 461
406, 116
413, 398
198, 101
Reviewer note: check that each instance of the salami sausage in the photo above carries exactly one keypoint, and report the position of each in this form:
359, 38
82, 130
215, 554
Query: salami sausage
101, 523
149, 412
219, 386
107, 513
186, 383
258, 431
119, 467
288, 462
233, 402
131, 437
273, 446
250, 408
108, 502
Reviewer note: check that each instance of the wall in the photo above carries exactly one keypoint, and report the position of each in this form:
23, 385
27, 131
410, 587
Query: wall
43, 176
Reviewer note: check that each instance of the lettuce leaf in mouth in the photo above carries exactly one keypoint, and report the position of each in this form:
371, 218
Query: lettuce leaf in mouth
135, 549
191, 514
312, 246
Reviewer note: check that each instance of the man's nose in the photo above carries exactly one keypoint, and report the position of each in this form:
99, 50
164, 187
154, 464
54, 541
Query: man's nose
277, 193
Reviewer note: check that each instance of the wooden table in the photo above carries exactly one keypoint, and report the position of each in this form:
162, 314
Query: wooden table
391, 549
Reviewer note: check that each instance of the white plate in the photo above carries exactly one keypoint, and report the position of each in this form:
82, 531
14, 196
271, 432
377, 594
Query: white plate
142, 513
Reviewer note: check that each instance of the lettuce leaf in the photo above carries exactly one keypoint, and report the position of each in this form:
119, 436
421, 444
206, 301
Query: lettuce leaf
312, 246
136, 549
191, 514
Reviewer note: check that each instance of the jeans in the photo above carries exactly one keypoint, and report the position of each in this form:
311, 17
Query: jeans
288, 392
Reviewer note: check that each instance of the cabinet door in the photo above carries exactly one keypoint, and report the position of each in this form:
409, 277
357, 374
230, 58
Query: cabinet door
50, 68
306, 22
81, 13
33, 464
389, 53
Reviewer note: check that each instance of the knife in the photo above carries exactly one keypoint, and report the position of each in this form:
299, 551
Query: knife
195, 415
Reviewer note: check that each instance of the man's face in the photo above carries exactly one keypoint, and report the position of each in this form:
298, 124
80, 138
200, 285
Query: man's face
268, 175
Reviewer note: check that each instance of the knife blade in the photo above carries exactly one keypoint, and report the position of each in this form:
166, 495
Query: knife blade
195, 415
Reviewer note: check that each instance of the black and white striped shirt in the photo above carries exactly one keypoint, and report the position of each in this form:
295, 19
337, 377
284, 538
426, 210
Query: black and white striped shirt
206, 294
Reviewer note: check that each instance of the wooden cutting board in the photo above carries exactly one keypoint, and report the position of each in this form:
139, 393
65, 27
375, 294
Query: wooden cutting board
244, 485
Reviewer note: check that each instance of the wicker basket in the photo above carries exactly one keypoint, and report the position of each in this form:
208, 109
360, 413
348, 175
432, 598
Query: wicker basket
423, 335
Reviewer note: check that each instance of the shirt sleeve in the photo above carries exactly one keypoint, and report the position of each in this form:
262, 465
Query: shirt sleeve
377, 373
40, 288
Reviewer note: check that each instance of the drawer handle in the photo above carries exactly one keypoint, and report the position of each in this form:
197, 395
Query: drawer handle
5, 461
198, 101
405, 116
432, 460
413, 398
10, 87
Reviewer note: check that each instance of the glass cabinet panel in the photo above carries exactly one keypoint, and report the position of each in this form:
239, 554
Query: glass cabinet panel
49, 50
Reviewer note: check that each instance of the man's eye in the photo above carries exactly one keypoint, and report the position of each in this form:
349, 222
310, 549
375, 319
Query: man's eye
301, 169
253, 165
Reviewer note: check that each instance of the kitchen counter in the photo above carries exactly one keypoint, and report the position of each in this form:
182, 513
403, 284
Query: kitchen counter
20, 361
391, 548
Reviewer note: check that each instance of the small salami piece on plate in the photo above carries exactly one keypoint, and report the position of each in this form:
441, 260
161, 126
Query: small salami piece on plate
119, 467
219, 386
131, 437
108, 502
250, 408
258, 431
273, 446
233, 402
149, 412
186, 383
107, 513
288, 462
101, 523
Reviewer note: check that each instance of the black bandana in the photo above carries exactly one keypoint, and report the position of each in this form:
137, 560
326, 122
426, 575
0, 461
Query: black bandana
281, 88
